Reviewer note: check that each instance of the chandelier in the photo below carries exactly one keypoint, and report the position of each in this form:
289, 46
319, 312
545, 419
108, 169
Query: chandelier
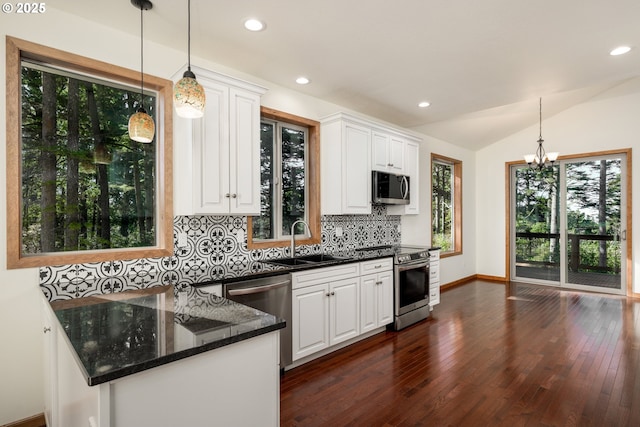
540, 158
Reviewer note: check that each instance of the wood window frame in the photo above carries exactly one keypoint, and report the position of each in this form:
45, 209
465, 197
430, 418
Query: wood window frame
16, 51
457, 203
314, 182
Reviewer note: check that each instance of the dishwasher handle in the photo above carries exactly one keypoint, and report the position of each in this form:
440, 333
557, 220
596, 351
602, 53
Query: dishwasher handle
257, 289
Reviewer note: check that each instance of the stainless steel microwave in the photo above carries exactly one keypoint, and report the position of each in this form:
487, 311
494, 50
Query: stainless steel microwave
390, 189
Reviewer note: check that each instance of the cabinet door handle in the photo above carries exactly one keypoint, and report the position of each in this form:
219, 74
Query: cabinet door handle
333, 293
378, 266
47, 329
234, 195
227, 195
378, 283
328, 295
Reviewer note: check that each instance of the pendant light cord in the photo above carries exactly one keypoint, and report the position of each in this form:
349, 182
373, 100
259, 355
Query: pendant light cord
540, 118
141, 58
189, 35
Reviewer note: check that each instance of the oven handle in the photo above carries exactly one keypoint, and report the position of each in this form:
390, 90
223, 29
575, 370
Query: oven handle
412, 265
256, 289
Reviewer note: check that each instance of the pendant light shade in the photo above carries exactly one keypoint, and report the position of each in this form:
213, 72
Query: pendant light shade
141, 125
188, 95
540, 158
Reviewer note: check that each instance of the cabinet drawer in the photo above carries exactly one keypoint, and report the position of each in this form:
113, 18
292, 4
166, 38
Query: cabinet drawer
376, 265
434, 296
434, 255
324, 275
434, 272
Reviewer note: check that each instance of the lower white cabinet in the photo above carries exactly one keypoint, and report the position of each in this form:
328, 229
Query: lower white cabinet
434, 277
324, 314
376, 295
333, 305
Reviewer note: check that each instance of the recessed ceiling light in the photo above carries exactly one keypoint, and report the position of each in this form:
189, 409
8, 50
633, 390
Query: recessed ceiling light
621, 50
302, 80
424, 104
253, 24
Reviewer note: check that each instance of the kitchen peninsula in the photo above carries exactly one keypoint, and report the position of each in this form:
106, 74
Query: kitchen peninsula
162, 356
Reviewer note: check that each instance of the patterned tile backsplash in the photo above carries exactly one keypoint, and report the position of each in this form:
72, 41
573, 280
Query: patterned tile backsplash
214, 243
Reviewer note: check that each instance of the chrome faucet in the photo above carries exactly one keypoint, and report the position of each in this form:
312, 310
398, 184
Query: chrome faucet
293, 235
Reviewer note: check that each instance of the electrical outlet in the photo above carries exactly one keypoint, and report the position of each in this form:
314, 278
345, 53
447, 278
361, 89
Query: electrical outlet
182, 239
338, 231
182, 298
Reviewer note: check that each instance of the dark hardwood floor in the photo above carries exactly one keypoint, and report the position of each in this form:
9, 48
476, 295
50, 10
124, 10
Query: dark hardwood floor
490, 355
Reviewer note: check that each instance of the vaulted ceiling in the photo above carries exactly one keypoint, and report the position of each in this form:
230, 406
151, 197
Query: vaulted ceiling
481, 64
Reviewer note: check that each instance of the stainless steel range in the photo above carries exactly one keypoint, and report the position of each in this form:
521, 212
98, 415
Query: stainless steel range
411, 285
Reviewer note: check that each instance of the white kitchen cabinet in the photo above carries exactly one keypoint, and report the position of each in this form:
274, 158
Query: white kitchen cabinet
344, 303
50, 360
310, 320
345, 166
376, 294
411, 168
325, 308
387, 152
224, 165
351, 148
434, 277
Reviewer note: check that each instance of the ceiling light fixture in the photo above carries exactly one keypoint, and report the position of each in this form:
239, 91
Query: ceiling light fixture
303, 81
539, 159
620, 50
424, 104
253, 24
188, 95
141, 126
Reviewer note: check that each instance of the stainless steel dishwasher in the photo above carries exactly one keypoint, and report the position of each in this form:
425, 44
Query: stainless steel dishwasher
271, 295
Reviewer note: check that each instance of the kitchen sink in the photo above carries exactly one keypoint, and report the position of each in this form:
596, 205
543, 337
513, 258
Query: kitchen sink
319, 258
306, 260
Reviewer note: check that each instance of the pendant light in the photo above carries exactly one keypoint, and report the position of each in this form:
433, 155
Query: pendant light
141, 126
539, 159
188, 94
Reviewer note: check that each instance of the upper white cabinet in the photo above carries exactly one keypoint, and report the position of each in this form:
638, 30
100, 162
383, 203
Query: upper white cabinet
224, 165
345, 166
351, 148
411, 168
387, 152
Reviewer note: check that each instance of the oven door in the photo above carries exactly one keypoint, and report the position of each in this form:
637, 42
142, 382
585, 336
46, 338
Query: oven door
411, 286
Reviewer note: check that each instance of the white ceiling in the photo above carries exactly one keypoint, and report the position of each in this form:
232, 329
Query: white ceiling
482, 64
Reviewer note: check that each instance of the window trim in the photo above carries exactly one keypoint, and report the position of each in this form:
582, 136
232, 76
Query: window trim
314, 182
18, 49
457, 202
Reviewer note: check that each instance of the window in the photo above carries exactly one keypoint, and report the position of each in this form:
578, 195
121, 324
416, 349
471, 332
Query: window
78, 189
446, 204
289, 180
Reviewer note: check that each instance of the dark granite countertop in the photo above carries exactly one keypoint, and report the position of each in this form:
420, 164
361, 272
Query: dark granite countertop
263, 268
123, 333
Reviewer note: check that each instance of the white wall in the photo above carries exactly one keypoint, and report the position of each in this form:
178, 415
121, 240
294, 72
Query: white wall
606, 122
20, 323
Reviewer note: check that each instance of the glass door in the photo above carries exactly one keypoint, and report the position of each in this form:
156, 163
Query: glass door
593, 216
568, 224
536, 224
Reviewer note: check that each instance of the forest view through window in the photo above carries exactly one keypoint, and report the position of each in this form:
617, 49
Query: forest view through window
85, 184
283, 163
446, 204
